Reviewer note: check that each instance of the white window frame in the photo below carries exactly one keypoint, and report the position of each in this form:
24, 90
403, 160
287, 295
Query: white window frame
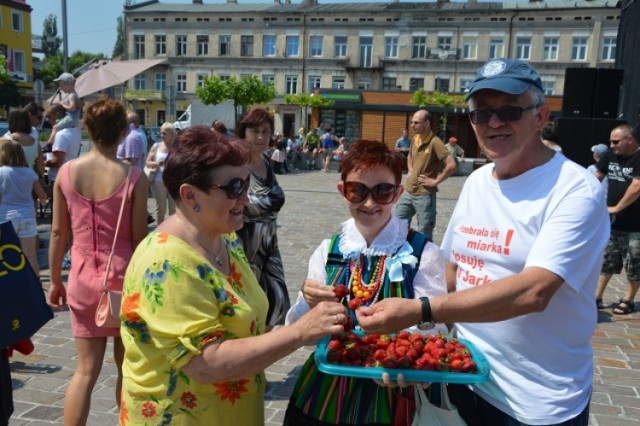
139, 82
338, 82
269, 45
181, 45
268, 78
291, 84
550, 49
200, 79
391, 44
340, 46
292, 46
315, 46
579, 47
138, 46
419, 47
609, 46
315, 82
160, 81
17, 14
496, 47
202, 44
469, 46
224, 43
160, 44
523, 48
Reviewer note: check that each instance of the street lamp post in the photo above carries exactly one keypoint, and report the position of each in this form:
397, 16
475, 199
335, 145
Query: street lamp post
65, 50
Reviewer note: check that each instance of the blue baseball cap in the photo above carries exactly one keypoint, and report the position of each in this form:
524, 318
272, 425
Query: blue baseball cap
600, 149
505, 75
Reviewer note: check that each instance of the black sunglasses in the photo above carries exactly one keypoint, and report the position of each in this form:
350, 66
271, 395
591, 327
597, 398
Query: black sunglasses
616, 142
357, 192
505, 113
235, 188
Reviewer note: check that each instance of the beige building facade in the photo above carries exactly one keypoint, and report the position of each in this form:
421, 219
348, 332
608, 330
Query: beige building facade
378, 46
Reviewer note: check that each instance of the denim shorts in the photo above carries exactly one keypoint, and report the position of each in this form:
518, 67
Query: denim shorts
25, 228
623, 250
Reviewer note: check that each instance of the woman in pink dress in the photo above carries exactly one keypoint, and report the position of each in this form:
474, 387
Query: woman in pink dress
87, 197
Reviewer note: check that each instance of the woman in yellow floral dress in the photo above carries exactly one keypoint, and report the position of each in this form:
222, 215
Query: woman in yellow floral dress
193, 314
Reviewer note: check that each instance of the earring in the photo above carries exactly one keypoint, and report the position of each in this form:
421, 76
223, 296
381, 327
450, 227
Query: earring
196, 208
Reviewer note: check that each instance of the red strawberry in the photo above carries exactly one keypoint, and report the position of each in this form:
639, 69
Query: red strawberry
334, 344
354, 303
340, 291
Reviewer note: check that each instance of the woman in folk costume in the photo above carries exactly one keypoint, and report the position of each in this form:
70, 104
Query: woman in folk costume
376, 256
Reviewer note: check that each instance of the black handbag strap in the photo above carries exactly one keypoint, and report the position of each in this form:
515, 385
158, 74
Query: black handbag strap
115, 236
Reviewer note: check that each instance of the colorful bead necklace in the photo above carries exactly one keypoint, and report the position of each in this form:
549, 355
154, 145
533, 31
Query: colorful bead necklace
367, 293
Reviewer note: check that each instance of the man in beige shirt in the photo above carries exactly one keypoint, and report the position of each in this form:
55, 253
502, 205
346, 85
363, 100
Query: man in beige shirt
427, 156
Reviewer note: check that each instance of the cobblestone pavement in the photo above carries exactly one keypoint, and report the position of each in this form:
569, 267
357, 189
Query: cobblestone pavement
313, 211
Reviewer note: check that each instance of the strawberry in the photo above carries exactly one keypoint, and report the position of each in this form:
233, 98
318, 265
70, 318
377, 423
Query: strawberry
334, 344
340, 291
354, 303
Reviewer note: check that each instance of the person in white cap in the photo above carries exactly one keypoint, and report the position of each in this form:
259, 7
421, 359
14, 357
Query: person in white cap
70, 101
599, 151
524, 249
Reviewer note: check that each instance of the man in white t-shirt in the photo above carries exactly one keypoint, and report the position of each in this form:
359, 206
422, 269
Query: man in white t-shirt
524, 247
66, 144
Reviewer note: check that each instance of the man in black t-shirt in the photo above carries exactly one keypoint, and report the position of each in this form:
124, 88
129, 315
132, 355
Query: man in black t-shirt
622, 168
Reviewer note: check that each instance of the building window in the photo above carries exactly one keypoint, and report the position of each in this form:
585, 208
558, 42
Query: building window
364, 84
269, 45
246, 45
181, 45
337, 83
419, 47
161, 44
415, 84
200, 80
444, 42
523, 48
340, 46
442, 85
224, 77
391, 47
550, 49
579, 49
608, 48
366, 51
496, 48
291, 85
268, 78
315, 46
469, 47
548, 87
202, 44
138, 82
19, 61
224, 42
16, 21
161, 81
138, 46
389, 83
314, 82
181, 83
293, 46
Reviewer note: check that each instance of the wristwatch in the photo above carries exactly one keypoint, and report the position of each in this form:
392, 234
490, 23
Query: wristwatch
426, 323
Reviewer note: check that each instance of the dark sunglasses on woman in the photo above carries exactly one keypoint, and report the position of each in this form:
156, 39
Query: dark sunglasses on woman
357, 192
235, 188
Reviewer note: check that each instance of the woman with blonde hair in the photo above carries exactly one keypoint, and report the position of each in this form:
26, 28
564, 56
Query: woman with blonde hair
88, 197
155, 161
17, 181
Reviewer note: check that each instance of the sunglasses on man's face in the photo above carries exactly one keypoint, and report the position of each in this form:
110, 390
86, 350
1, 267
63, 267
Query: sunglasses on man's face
505, 113
357, 192
235, 188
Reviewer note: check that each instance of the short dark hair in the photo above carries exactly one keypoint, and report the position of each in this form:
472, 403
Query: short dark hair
19, 121
550, 133
253, 118
33, 108
364, 154
195, 155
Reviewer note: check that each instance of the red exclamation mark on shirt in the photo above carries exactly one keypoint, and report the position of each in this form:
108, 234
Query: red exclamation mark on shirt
508, 241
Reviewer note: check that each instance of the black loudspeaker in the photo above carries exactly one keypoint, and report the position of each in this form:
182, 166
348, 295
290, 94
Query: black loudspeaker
607, 93
574, 136
579, 87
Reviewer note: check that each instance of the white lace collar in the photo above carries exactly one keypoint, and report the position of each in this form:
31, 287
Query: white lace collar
392, 237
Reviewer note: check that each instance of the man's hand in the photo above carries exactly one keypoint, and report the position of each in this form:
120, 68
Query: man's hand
389, 315
427, 181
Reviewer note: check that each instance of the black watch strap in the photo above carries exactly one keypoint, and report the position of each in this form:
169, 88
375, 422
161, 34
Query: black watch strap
426, 309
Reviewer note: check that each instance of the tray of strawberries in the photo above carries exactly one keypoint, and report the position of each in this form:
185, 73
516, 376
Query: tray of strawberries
419, 357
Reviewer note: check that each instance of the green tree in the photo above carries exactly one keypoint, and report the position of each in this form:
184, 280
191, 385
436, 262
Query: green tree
244, 92
118, 47
306, 100
9, 93
50, 40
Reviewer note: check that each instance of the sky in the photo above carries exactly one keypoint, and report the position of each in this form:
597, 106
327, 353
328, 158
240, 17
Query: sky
92, 23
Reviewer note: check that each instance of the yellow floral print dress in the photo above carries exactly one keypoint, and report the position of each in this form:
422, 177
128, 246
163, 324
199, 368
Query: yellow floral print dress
174, 303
